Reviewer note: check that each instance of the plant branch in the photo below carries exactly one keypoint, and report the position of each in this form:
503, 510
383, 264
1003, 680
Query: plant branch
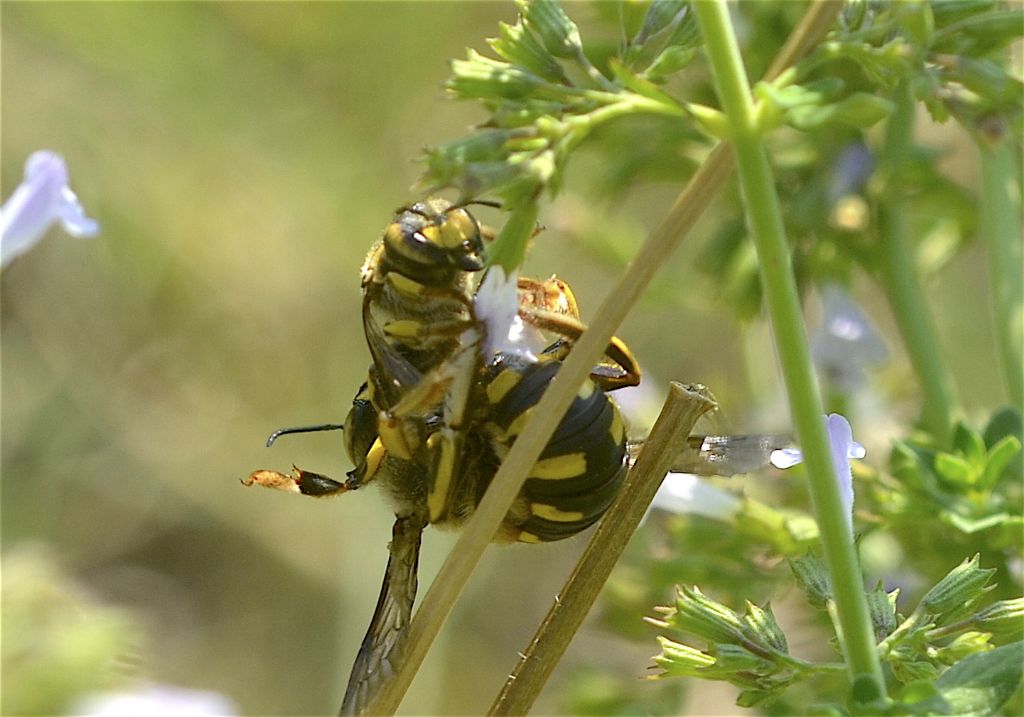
682, 408
764, 218
899, 277
1001, 230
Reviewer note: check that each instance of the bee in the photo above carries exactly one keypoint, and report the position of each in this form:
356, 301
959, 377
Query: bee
436, 415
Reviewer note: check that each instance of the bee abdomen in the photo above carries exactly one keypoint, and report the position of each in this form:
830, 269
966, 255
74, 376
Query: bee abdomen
582, 467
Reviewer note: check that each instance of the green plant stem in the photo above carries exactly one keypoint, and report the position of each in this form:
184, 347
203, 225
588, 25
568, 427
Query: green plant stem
899, 277
482, 525
509, 249
765, 220
1001, 231
681, 410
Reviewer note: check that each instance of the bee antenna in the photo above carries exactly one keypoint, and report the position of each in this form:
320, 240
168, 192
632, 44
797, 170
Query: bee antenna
481, 202
303, 429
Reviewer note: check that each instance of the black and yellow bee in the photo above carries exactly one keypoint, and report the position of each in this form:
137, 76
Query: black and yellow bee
437, 415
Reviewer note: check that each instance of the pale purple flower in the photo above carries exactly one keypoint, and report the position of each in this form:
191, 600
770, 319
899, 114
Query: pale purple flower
846, 344
686, 493
157, 701
844, 449
42, 199
850, 171
497, 305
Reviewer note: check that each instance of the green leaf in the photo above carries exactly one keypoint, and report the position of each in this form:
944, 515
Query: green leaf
639, 85
999, 457
969, 443
970, 526
752, 698
914, 670
955, 470
980, 684
1004, 422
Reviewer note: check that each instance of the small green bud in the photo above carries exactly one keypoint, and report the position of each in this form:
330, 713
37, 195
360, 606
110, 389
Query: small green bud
739, 666
961, 587
481, 77
763, 627
918, 22
981, 33
550, 127
520, 115
966, 644
671, 60
882, 608
519, 46
485, 145
679, 660
700, 615
660, 15
559, 34
803, 529
543, 166
813, 578
1003, 619
862, 109
527, 144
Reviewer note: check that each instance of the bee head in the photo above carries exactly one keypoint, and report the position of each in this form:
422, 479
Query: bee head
434, 234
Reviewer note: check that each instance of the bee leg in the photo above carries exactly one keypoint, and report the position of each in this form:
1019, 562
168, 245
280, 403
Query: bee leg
552, 295
445, 389
300, 481
446, 451
619, 371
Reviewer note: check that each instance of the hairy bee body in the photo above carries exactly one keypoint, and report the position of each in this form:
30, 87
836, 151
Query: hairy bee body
436, 416
419, 282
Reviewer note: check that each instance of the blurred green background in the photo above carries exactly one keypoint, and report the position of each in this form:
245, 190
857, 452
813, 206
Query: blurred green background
241, 158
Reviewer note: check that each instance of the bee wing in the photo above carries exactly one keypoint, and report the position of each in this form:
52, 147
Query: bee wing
383, 647
723, 455
395, 373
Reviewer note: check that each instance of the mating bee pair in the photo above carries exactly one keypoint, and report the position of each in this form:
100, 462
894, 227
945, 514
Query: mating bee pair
437, 414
